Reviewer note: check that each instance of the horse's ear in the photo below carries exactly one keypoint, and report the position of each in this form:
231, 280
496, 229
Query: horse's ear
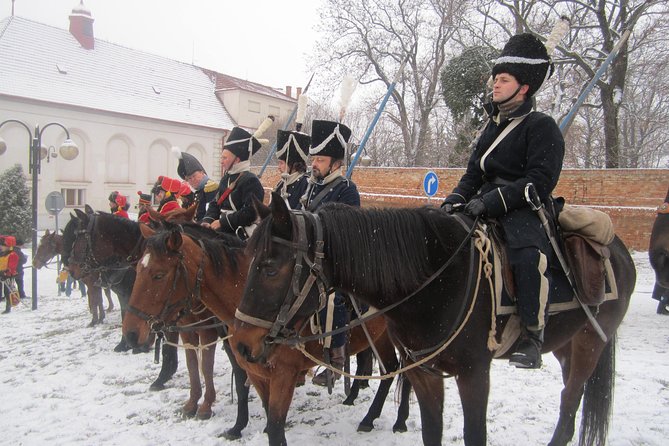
174, 241
189, 215
146, 230
281, 223
46, 233
155, 215
89, 210
262, 211
81, 215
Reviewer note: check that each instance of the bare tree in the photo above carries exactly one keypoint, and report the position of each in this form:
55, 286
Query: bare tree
372, 37
597, 25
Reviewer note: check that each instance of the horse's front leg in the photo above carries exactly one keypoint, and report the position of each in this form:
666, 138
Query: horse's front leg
429, 390
207, 337
240, 377
474, 388
94, 296
190, 407
282, 387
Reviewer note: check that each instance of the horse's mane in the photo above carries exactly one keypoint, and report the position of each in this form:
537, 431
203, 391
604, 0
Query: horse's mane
220, 247
384, 250
377, 249
125, 227
68, 239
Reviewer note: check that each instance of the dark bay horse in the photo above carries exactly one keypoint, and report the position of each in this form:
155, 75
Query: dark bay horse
101, 243
386, 257
658, 252
168, 274
49, 247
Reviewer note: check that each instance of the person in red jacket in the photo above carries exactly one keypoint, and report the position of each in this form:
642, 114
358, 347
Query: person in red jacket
118, 204
9, 262
142, 207
166, 191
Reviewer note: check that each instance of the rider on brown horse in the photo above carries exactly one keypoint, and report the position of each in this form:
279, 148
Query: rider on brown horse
517, 147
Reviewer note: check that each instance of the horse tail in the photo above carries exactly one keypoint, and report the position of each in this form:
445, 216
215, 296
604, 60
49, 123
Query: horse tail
598, 398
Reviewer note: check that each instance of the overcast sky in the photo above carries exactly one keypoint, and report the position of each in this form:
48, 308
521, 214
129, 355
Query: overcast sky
265, 41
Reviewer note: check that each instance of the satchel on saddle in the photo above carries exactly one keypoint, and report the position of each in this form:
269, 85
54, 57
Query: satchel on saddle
586, 234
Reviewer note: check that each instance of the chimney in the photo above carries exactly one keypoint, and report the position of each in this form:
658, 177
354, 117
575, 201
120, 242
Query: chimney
299, 92
289, 91
81, 26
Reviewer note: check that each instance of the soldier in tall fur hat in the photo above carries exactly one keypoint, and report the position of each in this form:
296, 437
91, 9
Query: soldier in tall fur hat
494, 184
293, 153
326, 185
190, 169
142, 205
232, 210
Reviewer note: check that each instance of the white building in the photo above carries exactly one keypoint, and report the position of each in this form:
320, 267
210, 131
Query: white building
124, 109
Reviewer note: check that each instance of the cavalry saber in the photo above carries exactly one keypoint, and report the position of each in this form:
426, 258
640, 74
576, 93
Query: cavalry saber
537, 206
285, 127
391, 88
369, 337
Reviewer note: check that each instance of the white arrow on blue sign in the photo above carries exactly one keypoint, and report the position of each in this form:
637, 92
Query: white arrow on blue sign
430, 183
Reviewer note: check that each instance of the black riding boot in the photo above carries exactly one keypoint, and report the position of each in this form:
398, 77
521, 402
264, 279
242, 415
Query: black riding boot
337, 358
528, 351
662, 305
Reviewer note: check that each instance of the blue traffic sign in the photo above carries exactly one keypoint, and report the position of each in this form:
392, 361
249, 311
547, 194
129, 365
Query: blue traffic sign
430, 183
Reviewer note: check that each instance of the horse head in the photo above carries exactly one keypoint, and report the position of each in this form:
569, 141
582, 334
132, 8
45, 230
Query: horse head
163, 287
49, 246
284, 282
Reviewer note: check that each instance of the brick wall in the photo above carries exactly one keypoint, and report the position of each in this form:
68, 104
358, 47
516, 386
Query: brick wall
629, 196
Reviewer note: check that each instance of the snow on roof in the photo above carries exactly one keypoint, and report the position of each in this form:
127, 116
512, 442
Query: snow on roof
227, 82
46, 63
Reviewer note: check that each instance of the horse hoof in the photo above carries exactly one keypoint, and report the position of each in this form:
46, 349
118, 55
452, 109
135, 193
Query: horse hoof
93, 323
188, 413
399, 428
231, 434
156, 387
121, 347
204, 415
365, 427
348, 401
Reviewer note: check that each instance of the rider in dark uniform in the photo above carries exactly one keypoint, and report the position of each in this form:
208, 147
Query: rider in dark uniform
494, 184
232, 209
327, 184
190, 169
292, 151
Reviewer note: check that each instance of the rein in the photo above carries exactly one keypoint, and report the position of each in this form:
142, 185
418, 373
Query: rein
481, 243
157, 323
290, 336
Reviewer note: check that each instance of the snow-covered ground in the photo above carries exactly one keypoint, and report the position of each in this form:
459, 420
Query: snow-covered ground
61, 384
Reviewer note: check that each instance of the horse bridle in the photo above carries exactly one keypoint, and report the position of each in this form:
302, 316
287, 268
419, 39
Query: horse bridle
294, 299
157, 323
91, 264
296, 294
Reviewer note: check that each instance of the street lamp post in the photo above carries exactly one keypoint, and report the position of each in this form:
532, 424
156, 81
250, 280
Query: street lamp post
68, 149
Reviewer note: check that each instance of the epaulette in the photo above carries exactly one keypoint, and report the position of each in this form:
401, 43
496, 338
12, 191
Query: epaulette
211, 186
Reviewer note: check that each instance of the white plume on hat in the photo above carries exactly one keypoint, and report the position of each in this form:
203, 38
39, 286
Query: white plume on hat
348, 85
301, 108
176, 151
262, 128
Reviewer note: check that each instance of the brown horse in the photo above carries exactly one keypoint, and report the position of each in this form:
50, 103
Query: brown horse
420, 267
658, 252
49, 247
169, 272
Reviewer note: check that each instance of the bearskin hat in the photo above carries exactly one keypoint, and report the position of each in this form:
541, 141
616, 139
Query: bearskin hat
525, 57
329, 138
143, 198
188, 164
292, 147
169, 185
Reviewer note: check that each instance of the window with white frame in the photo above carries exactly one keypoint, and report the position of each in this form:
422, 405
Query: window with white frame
74, 197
